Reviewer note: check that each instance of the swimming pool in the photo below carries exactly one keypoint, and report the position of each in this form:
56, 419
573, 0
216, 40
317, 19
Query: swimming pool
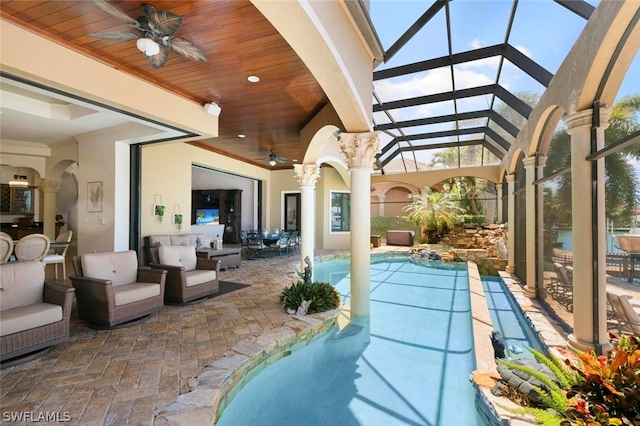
508, 318
409, 364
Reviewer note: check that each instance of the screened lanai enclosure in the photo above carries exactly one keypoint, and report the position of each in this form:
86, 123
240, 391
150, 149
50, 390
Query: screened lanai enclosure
468, 87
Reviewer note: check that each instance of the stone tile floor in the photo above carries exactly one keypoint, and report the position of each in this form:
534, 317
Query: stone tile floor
126, 377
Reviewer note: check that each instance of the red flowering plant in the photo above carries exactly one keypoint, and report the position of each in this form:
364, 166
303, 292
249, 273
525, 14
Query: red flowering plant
609, 392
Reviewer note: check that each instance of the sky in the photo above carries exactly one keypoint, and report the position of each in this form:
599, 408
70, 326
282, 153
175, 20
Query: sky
543, 31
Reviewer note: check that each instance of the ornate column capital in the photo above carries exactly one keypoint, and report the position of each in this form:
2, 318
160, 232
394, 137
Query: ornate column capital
499, 186
529, 162
542, 160
49, 185
359, 149
511, 178
307, 174
584, 119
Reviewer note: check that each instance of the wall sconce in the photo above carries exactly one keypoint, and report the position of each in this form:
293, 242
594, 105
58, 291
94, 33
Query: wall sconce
19, 181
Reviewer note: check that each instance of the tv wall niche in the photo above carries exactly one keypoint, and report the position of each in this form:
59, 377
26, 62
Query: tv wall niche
218, 206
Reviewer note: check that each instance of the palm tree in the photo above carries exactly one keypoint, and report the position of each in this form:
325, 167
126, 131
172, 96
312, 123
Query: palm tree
436, 211
622, 183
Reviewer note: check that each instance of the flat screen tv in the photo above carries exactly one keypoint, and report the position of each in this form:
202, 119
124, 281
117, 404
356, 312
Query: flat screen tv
207, 216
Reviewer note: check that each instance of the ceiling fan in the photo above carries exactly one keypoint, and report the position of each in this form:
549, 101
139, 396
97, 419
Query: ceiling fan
274, 159
155, 31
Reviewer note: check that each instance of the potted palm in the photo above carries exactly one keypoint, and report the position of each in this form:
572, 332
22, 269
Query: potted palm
436, 212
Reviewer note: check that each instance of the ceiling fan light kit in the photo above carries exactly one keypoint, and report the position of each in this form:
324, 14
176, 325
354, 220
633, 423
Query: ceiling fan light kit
148, 46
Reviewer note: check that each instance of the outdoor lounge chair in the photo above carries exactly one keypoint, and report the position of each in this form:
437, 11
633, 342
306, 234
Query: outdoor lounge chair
34, 314
189, 278
113, 292
563, 291
624, 311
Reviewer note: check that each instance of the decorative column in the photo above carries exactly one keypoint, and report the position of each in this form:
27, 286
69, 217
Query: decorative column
539, 229
511, 221
381, 198
530, 224
307, 174
499, 201
49, 187
589, 231
360, 150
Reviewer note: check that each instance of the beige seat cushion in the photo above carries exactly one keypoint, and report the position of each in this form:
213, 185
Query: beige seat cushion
199, 276
135, 292
22, 284
119, 267
28, 317
184, 256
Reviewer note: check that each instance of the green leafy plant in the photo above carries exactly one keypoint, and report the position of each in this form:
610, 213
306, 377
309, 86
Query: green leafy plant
323, 297
159, 210
177, 220
590, 390
436, 211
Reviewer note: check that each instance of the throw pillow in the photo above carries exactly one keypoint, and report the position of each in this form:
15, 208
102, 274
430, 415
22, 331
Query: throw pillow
204, 242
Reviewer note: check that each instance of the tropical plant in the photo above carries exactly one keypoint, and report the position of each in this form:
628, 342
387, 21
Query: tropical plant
316, 296
622, 183
590, 390
609, 392
436, 211
323, 297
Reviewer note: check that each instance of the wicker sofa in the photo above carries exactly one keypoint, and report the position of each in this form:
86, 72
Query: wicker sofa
35, 314
113, 292
189, 278
152, 242
400, 238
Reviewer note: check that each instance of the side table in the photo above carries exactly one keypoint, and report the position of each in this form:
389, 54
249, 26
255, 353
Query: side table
229, 257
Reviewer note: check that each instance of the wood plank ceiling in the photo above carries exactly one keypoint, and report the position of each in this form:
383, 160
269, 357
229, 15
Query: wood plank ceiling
238, 42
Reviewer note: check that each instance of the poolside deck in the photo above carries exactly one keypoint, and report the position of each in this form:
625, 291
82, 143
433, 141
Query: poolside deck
128, 376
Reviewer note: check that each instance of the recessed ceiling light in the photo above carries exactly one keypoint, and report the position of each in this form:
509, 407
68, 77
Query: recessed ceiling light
242, 136
253, 78
294, 160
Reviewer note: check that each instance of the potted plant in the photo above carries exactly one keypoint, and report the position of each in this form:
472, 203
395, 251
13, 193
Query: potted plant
177, 220
158, 210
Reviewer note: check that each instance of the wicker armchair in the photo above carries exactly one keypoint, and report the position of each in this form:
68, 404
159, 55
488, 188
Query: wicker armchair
113, 292
35, 314
189, 278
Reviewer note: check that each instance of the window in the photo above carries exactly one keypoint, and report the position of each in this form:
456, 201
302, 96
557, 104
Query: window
340, 212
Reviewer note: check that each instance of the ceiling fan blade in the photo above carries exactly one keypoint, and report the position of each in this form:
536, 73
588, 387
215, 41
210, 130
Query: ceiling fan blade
116, 13
164, 22
159, 59
186, 49
116, 35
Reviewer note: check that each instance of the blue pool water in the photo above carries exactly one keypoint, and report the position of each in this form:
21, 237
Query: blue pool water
507, 318
410, 364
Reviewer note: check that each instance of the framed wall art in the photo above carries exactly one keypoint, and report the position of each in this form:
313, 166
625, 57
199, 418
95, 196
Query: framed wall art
94, 196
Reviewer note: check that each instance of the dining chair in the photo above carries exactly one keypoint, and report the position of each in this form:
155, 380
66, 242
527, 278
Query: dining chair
32, 247
57, 254
255, 246
6, 247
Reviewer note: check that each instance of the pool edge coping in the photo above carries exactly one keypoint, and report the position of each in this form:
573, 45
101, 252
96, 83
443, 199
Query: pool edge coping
485, 376
216, 385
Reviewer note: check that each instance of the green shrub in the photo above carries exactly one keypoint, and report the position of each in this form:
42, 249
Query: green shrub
381, 224
323, 297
